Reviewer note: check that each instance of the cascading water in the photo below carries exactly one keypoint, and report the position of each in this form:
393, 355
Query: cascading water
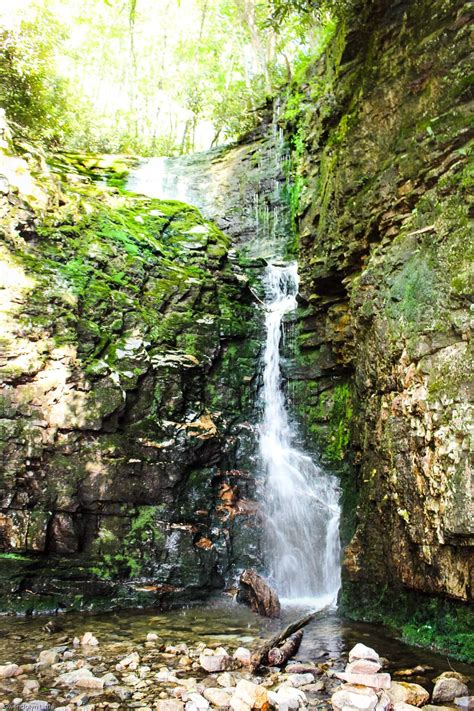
301, 508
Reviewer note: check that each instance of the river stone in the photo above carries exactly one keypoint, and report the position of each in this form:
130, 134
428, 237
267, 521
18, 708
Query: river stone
298, 680
375, 681
131, 661
214, 661
404, 692
30, 686
255, 696
225, 679
288, 698
152, 637
384, 703
218, 697
348, 697
363, 666
360, 651
48, 657
88, 640
453, 675
465, 702
9, 670
447, 689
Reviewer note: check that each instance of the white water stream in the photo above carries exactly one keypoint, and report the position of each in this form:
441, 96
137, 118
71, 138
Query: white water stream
301, 504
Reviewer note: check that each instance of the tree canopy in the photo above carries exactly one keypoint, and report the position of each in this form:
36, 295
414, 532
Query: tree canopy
149, 76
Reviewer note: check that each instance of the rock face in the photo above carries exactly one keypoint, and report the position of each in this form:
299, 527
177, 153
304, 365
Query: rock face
386, 257
129, 351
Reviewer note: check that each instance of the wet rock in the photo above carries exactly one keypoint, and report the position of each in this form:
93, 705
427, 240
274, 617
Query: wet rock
83, 678
214, 660
218, 697
242, 655
413, 671
360, 651
354, 697
152, 637
404, 692
447, 689
375, 681
119, 692
254, 695
9, 670
256, 593
109, 680
363, 666
88, 640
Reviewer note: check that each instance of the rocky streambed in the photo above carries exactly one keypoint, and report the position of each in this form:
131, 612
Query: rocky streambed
198, 658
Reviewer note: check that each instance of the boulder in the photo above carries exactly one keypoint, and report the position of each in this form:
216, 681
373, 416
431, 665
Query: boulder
447, 689
256, 592
360, 651
404, 692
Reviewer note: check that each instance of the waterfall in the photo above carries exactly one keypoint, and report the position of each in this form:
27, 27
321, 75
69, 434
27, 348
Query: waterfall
300, 502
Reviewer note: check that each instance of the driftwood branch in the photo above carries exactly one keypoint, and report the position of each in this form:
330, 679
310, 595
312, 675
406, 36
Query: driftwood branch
278, 656
260, 657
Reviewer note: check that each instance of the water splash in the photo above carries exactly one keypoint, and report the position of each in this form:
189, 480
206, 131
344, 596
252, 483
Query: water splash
301, 508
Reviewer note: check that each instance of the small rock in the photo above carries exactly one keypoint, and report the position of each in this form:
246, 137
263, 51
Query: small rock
401, 706
109, 680
447, 689
360, 651
152, 637
243, 656
314, 688
465, 702
9, 670
363, 666
255, 696
404, 692
120, 692
89, 640
48, 657
30, 686
218, 697
375, 681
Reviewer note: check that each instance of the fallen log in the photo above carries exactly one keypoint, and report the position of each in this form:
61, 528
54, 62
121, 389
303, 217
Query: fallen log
278, 656
260, 657
256, 592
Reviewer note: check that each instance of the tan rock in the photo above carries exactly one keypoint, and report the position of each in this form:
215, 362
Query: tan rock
225, 680
89, 640
243, 656
453, 675
404, 692
375, 681
48, 657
